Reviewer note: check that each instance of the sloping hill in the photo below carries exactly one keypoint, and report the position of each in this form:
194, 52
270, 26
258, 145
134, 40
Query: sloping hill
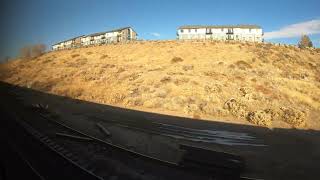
261, 84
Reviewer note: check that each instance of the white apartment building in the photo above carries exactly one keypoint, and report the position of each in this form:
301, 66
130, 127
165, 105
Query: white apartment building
251, 33
117, 35
56, 46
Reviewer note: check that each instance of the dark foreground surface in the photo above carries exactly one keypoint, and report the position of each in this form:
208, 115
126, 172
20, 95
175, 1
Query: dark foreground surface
269, 154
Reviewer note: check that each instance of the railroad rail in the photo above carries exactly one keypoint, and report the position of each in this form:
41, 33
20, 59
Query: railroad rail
47, 159
179, 132
220, 165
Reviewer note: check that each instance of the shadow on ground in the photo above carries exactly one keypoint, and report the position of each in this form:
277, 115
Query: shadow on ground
288, 154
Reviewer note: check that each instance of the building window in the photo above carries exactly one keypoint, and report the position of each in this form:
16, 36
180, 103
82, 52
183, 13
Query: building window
189, 30
195, 30
181, 30
221, 29
250, 30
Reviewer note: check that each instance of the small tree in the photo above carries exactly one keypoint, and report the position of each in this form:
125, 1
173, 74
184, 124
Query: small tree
32, 51
6, 59
38, 50
305, 42
25, 52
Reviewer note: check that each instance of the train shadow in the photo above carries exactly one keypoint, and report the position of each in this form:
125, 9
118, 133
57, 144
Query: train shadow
287, 154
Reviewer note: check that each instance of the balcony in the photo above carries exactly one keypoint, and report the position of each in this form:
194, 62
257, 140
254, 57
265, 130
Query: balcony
208, 31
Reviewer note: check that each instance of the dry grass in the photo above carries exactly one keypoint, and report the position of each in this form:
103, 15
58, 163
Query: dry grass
239, 82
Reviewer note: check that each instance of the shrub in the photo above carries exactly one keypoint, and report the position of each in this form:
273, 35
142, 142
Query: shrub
25, 52
231, 66
75, 55
243, 65
187, 67
5, 59
43, 86
165, 79
38, 50
181, 81
293, 117
235, 107
176, 59
305, 42
260, 118
104, 56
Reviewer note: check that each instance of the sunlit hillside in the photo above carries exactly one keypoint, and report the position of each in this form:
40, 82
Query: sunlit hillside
262, 84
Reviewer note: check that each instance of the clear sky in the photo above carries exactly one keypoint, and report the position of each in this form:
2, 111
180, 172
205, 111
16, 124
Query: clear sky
26, 22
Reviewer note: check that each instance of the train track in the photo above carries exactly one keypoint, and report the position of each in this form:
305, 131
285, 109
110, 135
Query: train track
215, 168
37, 150
179, 132
65, 141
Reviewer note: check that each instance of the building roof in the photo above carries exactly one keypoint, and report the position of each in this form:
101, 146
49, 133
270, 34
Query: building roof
220, 26
114, 30
94, 34
68, 40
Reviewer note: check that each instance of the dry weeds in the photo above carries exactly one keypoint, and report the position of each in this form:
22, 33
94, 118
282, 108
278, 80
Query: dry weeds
235, 82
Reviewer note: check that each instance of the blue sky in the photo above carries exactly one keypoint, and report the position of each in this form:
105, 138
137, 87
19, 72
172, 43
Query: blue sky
43, 21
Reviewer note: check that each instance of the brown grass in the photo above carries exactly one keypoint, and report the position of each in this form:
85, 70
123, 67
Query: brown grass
240, 82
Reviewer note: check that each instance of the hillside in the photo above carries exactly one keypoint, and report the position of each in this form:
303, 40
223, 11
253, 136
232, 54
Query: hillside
262, 84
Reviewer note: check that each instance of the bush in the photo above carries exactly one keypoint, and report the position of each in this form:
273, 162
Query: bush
293, 117
187, 67
32, 51
104, 56
38, 50
243, 65
261, 118
176, 59
75, 55
25, 52
165, 79
305, 42
5, 59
